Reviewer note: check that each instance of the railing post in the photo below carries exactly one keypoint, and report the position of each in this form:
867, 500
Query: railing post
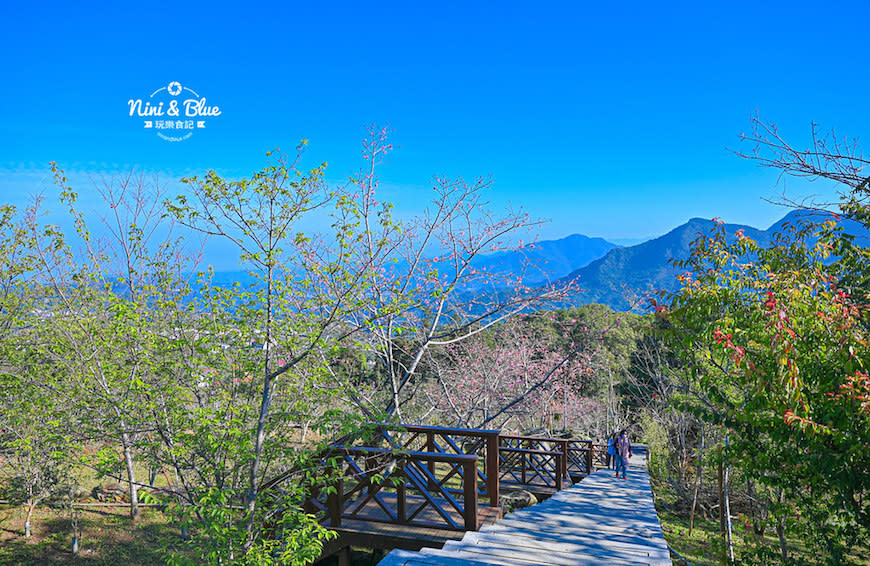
369, 466
523, 466
469, 489
430, 447
335, 503
560, 461
401, 497
492, 471
308, 505
563, 469
588, 457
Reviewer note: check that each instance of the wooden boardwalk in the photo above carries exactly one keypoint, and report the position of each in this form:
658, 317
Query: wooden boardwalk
601, 520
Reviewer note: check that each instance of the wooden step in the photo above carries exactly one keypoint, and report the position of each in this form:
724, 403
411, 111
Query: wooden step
610, 547
601, 520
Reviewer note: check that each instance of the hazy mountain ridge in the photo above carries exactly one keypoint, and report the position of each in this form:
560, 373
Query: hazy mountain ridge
607, 273
539, 262
625, 275
548, 260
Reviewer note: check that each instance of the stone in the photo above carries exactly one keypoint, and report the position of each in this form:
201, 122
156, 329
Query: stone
110, 493
515, 500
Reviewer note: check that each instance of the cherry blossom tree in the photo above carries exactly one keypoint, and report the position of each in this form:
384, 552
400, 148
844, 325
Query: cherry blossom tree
423, 289
512, 376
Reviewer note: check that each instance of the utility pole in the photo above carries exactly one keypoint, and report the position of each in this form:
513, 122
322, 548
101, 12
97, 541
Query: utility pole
729, 540
610, 426
565, 421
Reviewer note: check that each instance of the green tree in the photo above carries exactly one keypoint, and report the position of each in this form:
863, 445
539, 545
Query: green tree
774, 345
267, 340
36, 462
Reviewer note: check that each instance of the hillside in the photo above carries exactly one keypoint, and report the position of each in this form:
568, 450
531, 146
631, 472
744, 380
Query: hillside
539, 263
625, 275
548, 260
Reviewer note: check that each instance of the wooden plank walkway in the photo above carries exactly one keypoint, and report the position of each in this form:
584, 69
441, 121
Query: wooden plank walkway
601, 520
420, 512
373, 528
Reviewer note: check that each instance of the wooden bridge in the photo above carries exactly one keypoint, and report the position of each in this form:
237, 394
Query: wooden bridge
418, 487
601, 520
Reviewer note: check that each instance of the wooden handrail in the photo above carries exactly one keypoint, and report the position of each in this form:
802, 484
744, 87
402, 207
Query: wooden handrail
446, 430
542, 438
409, 453
559, 466
530, 451
489, 447
412, 468
565, 445
425, 456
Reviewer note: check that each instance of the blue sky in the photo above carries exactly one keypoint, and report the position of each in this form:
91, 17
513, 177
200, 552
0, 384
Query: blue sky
612, 119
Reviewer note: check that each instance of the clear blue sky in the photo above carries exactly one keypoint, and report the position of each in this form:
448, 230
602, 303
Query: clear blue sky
611, 119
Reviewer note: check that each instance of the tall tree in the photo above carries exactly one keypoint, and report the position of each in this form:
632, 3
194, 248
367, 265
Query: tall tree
423, 288
774, 342
287, 319
512, 376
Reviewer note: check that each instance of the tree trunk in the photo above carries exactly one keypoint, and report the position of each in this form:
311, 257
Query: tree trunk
780, 530
729, 541
722, 509
265, 403
131, 477
699, 472
31, 504
74, 523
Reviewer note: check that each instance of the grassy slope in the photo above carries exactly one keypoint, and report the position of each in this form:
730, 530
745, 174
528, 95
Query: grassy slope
108, 537
704, 546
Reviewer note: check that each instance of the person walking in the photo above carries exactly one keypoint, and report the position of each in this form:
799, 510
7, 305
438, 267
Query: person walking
623, 453
611, 451
618, 464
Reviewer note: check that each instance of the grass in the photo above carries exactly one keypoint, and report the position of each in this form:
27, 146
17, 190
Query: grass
107, 534
704, 547
701, 548
108, 537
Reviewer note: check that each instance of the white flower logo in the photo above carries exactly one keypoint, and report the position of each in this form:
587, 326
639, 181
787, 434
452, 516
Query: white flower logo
174, 88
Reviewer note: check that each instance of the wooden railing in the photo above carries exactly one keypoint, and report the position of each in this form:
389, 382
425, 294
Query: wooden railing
577, 458
599, 455
581, 457
435, 476
404, 487
530, 467
445, 440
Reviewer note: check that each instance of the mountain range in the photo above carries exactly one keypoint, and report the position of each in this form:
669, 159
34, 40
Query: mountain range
616, 276
548, 260
624, 275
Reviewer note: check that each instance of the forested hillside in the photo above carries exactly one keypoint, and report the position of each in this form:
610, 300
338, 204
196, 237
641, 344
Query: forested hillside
626, 277
123, 360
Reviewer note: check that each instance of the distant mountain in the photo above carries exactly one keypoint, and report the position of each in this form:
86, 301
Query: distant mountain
626, 274
229, 278
607, 273
539, 263
548, 260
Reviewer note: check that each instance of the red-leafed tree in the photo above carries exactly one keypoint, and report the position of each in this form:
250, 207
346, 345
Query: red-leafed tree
773, 348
